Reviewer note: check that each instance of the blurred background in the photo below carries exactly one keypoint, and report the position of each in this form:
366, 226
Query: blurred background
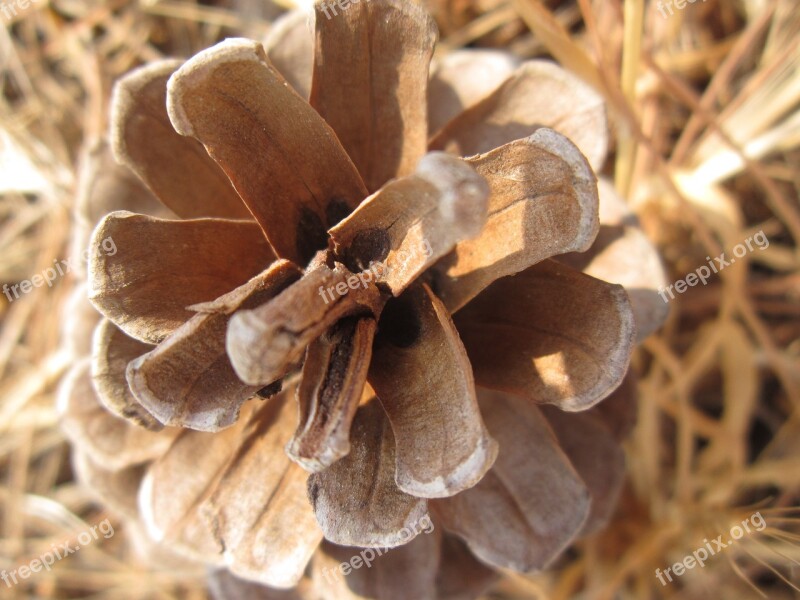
703, 100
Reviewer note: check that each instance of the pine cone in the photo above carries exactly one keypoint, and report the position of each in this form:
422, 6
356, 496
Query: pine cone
335, 258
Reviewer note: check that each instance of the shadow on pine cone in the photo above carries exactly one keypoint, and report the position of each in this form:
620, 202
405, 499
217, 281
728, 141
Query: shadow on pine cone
322, 330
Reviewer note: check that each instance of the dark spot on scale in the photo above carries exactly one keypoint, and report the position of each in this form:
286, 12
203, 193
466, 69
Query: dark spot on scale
336, 210
340, 336
368, 246
313, 491
400, 324
312, 234
270, 390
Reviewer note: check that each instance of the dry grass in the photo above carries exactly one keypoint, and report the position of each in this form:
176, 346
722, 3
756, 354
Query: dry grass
704, 106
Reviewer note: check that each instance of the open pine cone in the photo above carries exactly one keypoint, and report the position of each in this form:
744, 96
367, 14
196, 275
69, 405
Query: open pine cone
307, 257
